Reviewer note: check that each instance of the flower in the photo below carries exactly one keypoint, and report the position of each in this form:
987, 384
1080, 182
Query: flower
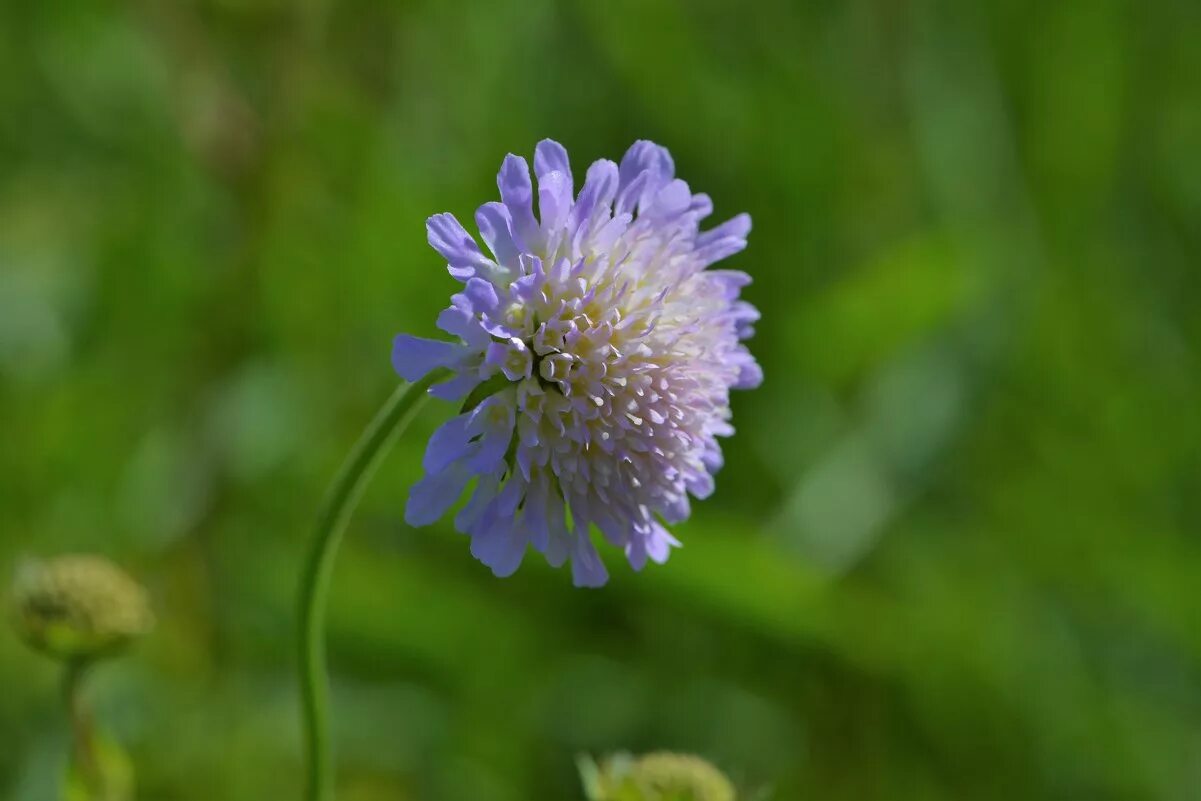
78, 607
596, 355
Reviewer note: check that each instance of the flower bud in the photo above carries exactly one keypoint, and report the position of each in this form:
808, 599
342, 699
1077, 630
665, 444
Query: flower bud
661, 776
78, 607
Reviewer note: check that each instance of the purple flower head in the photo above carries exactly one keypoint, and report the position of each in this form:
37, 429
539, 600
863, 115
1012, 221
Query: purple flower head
596, 354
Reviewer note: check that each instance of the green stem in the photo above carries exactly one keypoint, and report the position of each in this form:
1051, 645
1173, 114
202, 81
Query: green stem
83, 738
343, 496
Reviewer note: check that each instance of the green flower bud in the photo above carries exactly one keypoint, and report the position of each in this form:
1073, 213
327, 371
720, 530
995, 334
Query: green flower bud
78, 607
657, 777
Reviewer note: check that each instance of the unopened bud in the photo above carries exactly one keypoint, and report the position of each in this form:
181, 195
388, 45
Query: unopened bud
659, 776
78, 607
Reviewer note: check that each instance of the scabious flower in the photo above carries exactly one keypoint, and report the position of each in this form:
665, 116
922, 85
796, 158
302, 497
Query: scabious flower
596, 354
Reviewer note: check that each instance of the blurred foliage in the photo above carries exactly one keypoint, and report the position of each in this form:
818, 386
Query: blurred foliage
114, 775
954, 551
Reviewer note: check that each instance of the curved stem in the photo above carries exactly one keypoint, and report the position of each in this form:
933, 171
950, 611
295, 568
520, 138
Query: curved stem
343, 496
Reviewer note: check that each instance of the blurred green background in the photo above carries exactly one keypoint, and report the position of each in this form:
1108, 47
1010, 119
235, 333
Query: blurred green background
954, 553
